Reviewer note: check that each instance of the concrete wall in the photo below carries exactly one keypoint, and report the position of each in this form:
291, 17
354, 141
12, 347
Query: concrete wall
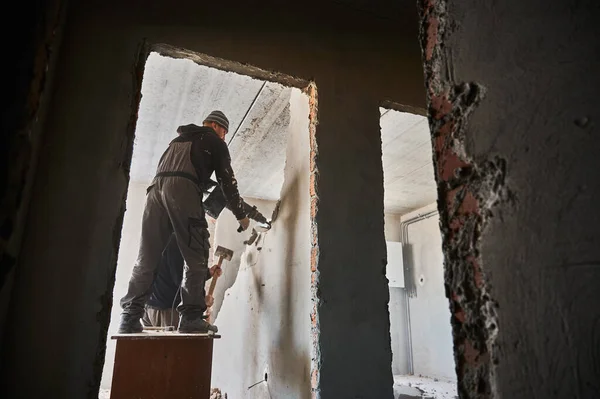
514, 109
431, 333
34, 49
392, 227
69, 253
399, 331
397, 306
265, 316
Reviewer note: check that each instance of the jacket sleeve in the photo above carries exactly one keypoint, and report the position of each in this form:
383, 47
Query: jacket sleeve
227, 181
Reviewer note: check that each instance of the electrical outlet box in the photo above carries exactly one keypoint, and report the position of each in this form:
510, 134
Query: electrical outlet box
395, 264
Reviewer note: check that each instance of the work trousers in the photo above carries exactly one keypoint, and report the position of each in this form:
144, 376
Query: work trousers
173, 204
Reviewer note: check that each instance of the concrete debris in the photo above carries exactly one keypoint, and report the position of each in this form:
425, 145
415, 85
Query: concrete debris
420, 387
215, 393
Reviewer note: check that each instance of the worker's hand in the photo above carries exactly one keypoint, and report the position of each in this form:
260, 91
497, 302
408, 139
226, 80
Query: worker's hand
210, 300
216, 271
244, 223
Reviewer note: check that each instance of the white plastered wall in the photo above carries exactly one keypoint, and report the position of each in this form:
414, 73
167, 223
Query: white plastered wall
264, 317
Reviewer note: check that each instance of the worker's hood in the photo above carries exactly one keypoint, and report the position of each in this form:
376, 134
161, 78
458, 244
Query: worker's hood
185, 130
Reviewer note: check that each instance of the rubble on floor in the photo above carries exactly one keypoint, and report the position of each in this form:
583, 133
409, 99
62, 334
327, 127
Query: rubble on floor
419, 387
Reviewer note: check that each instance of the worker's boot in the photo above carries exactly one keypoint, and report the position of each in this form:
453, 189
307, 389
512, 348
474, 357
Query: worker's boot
195, 325
130, 324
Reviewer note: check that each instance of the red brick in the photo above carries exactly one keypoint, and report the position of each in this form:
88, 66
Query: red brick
314, 201
477, 274
432, 36
314, 378
312, 185
313, 162
470, 354
451, 197
441, 105
469, 204
460, 315
448, 163
455, 224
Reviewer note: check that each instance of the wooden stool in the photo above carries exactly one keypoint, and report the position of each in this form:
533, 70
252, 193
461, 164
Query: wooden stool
161, 365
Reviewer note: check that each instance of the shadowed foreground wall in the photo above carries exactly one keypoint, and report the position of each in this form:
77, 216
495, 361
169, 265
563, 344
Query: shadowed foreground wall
514, 112
35, 40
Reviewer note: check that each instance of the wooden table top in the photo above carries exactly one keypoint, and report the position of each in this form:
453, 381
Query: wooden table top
154, 334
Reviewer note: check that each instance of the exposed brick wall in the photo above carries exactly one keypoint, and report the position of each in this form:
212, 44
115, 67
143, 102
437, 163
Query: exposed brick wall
314, 253
467, 189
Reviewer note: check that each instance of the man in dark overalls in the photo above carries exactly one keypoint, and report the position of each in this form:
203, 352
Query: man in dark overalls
174, 205
160, 309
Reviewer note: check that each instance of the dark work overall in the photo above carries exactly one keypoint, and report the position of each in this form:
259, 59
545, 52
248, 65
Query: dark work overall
173, 204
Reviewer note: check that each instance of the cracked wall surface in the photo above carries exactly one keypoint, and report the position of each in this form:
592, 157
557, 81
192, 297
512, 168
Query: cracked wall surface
512, 125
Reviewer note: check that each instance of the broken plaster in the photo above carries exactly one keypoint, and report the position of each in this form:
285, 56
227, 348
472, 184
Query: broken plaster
468, 189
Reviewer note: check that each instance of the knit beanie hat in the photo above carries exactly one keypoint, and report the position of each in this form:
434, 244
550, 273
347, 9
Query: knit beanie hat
218, 117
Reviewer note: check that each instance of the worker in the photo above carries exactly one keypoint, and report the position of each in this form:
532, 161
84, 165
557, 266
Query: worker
160, 309
174, 205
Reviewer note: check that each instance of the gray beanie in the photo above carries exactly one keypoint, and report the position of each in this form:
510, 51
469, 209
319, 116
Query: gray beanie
218, 117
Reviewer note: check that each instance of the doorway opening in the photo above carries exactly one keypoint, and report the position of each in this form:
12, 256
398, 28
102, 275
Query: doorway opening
420, 330
263, 297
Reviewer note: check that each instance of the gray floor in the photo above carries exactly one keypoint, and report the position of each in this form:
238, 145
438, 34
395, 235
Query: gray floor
417, 387
405, 387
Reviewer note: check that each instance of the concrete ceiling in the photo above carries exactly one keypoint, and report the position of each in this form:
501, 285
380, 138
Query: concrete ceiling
407, 162
178, 91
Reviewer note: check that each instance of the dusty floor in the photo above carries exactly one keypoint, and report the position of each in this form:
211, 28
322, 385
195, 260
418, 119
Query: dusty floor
215, 393
405, 387
417, 387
